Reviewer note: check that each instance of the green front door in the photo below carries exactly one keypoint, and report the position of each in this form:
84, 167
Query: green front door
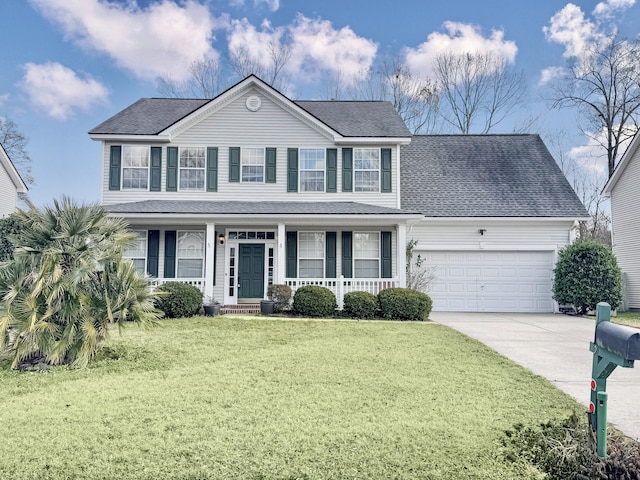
251, 278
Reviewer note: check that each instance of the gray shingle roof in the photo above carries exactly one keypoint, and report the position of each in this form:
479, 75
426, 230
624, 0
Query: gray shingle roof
148, 116
484, 176
253, 208
358, 118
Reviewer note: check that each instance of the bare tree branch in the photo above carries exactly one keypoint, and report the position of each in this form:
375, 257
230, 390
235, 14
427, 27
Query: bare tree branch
15, 144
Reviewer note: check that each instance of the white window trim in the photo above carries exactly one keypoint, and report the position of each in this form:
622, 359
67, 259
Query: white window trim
264, 164
300, 169
122, 167
145, 235
379, 170
379, 259
204, 252
323, 257
204, 185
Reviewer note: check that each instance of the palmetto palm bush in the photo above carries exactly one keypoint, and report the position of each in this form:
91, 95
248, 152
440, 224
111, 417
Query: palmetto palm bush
66, 283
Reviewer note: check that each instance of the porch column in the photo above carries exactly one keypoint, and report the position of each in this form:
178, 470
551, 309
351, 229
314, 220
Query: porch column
401, 230
210, 241
282, 259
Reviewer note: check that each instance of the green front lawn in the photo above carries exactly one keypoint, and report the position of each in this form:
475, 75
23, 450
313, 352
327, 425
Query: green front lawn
253, 398
627, 318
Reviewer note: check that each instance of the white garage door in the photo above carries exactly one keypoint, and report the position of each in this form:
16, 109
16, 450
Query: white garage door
490, 281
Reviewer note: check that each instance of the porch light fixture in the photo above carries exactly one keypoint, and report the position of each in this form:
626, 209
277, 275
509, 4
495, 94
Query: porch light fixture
221, 239
482, 230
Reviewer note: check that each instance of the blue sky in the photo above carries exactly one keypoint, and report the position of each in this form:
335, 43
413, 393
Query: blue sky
68, 65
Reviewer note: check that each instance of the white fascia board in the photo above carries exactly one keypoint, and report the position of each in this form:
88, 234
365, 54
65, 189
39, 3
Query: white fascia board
107, 137
487, 247
11, 170
340, 140
504, 219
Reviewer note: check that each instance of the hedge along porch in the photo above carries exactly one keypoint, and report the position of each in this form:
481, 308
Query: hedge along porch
233, 256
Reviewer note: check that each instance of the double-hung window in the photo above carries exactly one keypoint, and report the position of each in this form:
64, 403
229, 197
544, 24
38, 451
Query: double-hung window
366, 169
311, 254
192, 168
253, 165
312, 168
366, 254
137, 252
190, 254
135, 167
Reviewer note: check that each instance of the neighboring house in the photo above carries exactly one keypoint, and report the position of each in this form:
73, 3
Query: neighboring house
624, 191
251, 188
10, 184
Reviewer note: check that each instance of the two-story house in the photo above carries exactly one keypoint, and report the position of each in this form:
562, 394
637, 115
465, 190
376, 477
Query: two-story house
11, 184
251, 188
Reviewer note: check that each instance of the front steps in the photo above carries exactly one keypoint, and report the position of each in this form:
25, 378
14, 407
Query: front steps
248, 308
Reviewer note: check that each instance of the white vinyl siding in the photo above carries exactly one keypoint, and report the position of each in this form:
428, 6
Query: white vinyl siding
366, 254
137, 253
135, 167
311, 253
312, 169
191, 168
8, 194
190, 254
625, 200
234, 126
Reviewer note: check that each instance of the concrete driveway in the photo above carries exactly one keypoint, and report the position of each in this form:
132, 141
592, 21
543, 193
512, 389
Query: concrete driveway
555, 347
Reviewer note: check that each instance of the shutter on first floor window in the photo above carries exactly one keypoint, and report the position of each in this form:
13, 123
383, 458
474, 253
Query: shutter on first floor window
385, 162
115, 159
385, 240
292, 170
234, 164
270, 165
170, 254
212, 169
332, 170
292, 254
347, 169
153, 252
347, 255
156, 169
172, 169
330, 245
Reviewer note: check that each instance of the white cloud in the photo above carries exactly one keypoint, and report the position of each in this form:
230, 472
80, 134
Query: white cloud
3, 98
273, 5
58, 91
164, 37
315, 45
549, 74
610, 7
459, 38
569, 27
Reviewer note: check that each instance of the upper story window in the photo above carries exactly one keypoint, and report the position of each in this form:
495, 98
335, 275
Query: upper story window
366, 254
311, 254
366, 169
192, 168
252, 165
312, 169
135, 167
190, 254
137, 252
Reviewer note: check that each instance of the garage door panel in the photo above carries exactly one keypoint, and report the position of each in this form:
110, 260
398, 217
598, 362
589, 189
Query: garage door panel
506, 281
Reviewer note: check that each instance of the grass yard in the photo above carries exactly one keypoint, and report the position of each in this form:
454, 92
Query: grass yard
253, 398
627, 318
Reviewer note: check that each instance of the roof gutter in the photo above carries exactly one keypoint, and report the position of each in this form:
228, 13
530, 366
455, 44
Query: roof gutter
105, 137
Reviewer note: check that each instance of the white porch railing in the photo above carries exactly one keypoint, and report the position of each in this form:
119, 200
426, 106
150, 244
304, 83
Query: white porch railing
341, 286
196, 282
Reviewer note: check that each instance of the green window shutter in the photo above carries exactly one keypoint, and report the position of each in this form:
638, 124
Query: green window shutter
170, 254
115, 160
270, 165
385, 239
292, 170
330, 263
234, 164
292, 254
385, 160
156, 169
153, 252
347, 169
212, 169
332, 170
347, 255
172, 169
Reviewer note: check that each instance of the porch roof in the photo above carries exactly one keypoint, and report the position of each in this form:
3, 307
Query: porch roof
236, 208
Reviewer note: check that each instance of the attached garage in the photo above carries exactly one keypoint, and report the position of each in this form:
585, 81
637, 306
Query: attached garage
491, 281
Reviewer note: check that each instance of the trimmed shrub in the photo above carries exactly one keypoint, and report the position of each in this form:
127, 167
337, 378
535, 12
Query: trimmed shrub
404, 304
360, 304
179, 300
314, 301
587, 273
281, 295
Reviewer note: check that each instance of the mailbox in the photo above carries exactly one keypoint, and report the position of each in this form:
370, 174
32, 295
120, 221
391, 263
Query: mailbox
619, 339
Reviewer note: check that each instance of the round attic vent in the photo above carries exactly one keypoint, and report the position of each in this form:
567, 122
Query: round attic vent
254, 103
